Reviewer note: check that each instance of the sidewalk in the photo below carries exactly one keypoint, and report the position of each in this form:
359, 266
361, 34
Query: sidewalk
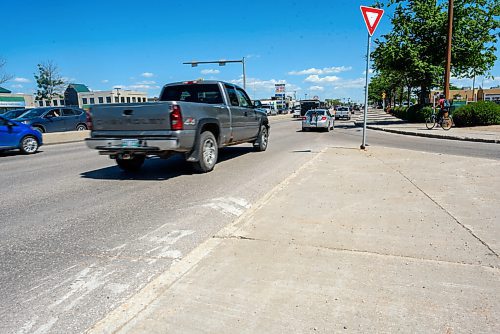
355, 242
380, 120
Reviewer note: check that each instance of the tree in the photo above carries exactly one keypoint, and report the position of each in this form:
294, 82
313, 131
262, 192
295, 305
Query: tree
49, 81
4, 77
415, 49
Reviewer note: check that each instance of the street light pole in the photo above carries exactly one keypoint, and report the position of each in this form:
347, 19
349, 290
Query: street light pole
221, 63
244, 75
448, 56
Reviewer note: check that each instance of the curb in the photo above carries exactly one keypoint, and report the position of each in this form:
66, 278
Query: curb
430, 135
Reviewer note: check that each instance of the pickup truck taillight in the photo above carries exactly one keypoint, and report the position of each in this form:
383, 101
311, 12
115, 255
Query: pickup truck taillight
88, 120
176, 118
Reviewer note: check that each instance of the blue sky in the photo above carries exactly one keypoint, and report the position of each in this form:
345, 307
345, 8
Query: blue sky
315, 47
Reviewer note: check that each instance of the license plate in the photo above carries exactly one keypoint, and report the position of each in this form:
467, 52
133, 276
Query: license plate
130, 142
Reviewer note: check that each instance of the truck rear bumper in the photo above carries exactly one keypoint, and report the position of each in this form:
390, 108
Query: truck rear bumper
145, 144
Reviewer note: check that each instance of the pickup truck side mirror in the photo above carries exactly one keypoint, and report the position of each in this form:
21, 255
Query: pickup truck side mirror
257, 104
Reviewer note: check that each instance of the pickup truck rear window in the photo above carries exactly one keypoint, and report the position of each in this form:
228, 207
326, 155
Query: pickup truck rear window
198, 93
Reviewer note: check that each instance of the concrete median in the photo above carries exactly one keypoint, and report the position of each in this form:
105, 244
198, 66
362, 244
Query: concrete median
64, 137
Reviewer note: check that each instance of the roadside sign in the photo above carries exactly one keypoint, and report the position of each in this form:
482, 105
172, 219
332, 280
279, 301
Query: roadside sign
372, 17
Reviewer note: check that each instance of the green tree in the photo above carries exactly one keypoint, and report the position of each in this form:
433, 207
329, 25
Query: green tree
49, 81
415, 49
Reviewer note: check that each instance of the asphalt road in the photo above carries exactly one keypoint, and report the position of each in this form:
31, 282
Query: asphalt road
78, 236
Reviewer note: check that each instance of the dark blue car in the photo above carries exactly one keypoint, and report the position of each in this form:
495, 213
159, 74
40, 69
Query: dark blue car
55, 119
15, 135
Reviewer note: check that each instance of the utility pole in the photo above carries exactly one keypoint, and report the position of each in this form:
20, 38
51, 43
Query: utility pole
448, 56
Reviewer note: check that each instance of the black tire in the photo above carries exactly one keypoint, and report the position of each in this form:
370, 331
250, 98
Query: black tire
81, 127
207, 153
260, 145
430, 122
29, 145
39, 129
446, 123
133, 164
305, 129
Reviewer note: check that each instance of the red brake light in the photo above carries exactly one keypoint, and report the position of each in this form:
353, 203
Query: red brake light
176, 118
88, 120
323, 118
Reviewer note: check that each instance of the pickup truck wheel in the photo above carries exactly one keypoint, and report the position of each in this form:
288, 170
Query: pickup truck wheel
130, 165
208, 153
260, 144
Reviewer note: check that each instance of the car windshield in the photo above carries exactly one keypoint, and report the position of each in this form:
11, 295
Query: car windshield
342, 109
14, 113
34, 113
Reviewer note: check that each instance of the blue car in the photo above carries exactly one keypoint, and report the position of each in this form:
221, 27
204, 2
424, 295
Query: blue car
15, 135
55, 119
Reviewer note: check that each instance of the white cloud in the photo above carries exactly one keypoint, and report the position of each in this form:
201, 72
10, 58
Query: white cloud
351, 83
317, 79
326, 70
146, 82
210, 71
370, 71
258, 88
16, 86
105, 81
144, 87
317, 88
147, 74
24, 80
137, 86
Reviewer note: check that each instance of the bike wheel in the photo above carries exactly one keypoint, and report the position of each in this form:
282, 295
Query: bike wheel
447, 123
430, 122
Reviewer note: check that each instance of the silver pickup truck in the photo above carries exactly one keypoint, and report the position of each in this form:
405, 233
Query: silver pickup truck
194, 118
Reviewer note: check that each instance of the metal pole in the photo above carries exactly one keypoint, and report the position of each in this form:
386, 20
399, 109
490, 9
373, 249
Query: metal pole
244, 75
363, 144
448, 56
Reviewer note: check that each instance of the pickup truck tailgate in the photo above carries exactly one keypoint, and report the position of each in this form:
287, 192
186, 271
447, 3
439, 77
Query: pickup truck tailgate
131, 116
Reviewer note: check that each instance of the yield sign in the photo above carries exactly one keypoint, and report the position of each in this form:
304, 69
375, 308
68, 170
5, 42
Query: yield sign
372, 17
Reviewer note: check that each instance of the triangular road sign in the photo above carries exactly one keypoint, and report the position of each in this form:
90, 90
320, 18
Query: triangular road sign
372, 17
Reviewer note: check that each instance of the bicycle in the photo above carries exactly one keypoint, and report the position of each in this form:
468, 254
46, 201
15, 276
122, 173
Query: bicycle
445, 122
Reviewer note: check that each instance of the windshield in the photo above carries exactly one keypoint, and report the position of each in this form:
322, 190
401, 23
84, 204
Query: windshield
14, 113
34, 113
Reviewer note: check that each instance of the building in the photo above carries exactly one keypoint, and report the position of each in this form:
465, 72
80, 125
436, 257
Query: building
9, 101
79, 95
466, 95
492, 94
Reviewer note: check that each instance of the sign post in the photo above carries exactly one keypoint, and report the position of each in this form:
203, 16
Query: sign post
372, 17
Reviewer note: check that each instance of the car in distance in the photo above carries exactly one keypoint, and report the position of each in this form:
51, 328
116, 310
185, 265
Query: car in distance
55, 119
269, 109
318, 119
296, 111
15, 135
342, 112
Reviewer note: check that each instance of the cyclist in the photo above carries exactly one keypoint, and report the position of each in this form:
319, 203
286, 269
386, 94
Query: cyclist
444, 107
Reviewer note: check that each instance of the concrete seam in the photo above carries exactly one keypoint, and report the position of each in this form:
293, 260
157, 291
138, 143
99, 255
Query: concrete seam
366, 252
442, 208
